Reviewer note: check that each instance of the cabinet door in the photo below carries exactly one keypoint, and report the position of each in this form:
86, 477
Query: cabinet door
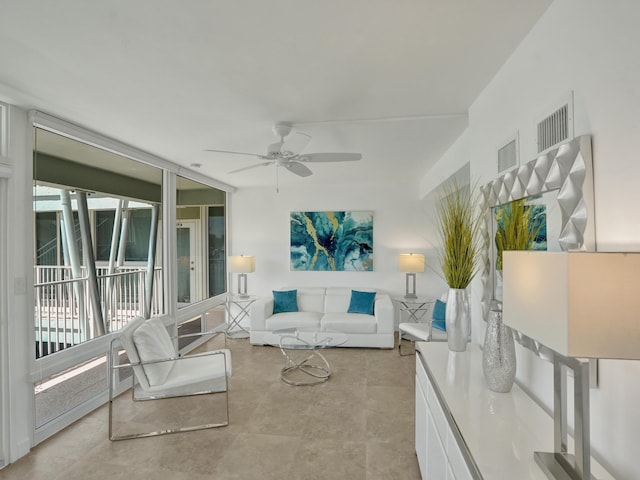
458, 464
421, 426
437, 462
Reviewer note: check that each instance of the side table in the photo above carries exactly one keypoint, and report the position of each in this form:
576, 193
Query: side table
416, 327
237, 308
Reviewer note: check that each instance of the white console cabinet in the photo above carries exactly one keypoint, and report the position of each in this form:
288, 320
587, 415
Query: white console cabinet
438, 452
466, 432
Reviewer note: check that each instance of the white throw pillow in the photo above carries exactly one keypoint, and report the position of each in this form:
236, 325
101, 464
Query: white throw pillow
154, 343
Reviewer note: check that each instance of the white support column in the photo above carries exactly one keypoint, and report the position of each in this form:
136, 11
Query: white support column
20, 243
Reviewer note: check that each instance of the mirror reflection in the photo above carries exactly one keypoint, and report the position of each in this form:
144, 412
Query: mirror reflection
200, 214
531, 223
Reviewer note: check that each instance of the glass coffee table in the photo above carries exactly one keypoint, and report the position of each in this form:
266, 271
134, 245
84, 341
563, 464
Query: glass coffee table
305, 364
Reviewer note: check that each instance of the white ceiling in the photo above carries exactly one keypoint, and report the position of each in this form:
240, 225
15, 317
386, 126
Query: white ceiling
390, 79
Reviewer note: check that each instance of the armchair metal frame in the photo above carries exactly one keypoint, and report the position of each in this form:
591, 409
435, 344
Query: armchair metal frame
141, 391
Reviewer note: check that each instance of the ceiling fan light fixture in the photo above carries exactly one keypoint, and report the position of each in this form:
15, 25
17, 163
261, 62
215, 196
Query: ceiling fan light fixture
274, 148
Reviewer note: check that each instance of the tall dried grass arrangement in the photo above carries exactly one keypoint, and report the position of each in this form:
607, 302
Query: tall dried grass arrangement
459, 223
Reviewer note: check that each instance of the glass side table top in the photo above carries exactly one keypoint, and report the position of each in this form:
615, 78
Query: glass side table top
235, 297
416, 308
408, 301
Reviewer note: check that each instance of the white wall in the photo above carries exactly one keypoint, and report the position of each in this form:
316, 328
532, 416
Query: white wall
588, 47
261, 227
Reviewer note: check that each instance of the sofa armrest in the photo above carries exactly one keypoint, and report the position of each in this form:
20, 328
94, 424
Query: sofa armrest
261, 309
383, 311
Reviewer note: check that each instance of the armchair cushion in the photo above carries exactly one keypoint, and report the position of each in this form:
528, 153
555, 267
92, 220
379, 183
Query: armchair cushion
153, 343
285, 301
199, 372
361, 302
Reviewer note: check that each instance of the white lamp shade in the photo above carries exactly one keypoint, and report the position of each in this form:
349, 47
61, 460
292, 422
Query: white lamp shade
241, 264
411, 262
580, 304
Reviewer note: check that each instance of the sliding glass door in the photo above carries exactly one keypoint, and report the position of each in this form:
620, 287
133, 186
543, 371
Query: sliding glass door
106, 233
98, 263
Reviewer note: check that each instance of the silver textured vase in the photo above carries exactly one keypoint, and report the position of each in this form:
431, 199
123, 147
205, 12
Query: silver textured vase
458, 319
499, 354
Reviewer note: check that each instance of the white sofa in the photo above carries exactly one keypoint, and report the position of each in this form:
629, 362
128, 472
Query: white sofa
326, 309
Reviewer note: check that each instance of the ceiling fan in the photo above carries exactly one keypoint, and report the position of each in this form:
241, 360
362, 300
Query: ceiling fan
286, 153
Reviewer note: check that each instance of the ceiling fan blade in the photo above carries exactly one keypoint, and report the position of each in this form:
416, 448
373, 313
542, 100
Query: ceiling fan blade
235, 153
294, 143
298, 168
329, 157
265, 164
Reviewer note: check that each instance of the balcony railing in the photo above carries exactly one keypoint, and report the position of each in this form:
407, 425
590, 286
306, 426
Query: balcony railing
64, 315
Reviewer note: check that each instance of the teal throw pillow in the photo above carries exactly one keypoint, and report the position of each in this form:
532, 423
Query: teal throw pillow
438, 315
440, 325
286, 301
361, 302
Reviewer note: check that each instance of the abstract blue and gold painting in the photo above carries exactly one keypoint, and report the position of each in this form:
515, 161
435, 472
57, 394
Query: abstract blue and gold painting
333, 241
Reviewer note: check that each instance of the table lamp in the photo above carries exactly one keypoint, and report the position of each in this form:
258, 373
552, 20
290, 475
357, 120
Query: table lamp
242, 264
581, 305
411, 263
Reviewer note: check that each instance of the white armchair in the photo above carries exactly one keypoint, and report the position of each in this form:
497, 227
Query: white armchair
159, 373
432, 330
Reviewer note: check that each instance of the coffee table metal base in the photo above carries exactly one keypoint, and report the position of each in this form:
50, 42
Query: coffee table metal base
314, 367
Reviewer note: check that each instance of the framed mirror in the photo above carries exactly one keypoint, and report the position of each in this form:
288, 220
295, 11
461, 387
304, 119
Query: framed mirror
559, 183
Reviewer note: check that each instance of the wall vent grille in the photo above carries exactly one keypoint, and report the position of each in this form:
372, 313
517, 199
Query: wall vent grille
554, 129
508, 156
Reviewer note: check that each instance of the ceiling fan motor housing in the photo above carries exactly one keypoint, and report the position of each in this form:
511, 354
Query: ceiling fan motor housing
282, 129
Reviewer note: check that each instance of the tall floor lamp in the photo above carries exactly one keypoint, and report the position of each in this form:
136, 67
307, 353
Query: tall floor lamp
242, 264
581, 305
411, 263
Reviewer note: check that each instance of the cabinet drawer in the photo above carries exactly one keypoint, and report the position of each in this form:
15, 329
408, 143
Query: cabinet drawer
432, 401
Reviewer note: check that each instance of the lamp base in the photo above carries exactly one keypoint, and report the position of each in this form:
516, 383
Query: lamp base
411, 292
554, 469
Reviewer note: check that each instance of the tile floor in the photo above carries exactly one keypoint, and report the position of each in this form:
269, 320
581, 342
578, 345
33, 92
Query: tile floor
358, 425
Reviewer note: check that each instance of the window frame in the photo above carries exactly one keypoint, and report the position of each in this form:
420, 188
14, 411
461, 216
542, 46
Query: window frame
53, 364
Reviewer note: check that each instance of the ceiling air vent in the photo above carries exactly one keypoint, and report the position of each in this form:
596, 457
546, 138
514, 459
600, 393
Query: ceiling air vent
508, 155
556, 128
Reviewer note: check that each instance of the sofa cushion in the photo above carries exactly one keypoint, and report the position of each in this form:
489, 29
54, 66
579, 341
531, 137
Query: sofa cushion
311, 299
338, 298
285, 301
349, 323
337, 302
293, 319
361, 302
